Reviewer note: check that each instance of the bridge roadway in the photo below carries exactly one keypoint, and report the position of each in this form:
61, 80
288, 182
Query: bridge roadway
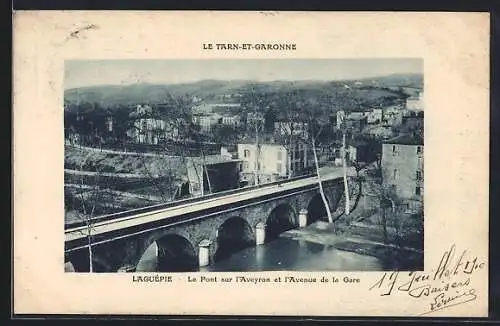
134, 220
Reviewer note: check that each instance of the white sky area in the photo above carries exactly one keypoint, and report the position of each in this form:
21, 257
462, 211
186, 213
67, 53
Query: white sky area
125, 72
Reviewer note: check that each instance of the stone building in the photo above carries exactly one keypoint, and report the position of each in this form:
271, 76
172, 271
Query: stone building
206, 121
362, 151
415, 103
148, 128
403, 167
272, 161
375, 116
289, 128
215, 172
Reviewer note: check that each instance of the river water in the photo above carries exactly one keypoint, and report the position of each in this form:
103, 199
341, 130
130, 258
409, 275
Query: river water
282, 254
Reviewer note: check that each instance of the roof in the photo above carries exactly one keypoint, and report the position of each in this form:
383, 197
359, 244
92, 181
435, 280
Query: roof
357, 143
261, 143
406, 140
363, 142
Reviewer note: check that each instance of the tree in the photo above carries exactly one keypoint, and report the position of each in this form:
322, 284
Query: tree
345, 100
344, 170
359, 179
255, 104
225, 134
315, 117
177, 111
386, 198
322, 192
88, 201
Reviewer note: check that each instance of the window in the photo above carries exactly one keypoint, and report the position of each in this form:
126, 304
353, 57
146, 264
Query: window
395, 174
278, 167
246, 153
394, 148
419, 149
417, 191
419, 175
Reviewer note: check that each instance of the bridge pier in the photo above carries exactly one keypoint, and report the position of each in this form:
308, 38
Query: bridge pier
260, 233
204, 253
303, 218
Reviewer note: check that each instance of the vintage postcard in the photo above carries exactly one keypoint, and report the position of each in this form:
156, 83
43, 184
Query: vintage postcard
251, 163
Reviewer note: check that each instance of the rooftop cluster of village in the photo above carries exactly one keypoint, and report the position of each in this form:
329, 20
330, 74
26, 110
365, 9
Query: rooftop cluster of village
245, 138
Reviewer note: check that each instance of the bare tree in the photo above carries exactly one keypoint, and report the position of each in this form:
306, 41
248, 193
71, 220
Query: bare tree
288, 140
178, 113
205, 170
359, 180
322, 192
343, 152
387, 199
313, 114
88, 201
257, 127
257, 152
292, 124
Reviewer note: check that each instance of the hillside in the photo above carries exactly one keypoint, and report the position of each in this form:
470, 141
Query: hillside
111, 95
397, 80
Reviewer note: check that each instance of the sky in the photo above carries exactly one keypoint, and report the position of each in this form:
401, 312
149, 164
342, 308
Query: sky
79, 73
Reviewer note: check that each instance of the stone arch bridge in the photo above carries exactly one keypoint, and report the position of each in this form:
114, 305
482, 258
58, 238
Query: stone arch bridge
194, 233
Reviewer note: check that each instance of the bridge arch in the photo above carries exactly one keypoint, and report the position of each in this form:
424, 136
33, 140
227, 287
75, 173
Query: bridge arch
169, 253
233, 235
282, 218
69, 267
78, 261
316, 210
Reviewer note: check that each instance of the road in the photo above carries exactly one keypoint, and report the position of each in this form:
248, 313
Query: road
143, 218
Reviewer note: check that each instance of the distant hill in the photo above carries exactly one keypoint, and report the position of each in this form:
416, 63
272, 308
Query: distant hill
112, 95
397, 80
148, 93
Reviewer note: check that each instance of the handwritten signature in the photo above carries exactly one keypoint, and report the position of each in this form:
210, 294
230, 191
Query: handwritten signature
446, 286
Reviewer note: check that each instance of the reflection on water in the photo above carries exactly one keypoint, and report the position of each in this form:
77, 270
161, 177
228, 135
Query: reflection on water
296, 255
283, 254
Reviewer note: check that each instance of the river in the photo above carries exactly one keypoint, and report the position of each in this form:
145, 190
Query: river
282, 254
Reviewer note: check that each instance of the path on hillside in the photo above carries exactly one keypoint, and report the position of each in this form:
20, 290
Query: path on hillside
110, 151
107, 174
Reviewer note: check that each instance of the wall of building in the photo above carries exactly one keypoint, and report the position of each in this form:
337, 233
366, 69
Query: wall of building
415, 103
400, 164
224, 176
274, 160
375, 116
151, 131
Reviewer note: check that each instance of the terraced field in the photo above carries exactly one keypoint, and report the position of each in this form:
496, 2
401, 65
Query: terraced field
99, 183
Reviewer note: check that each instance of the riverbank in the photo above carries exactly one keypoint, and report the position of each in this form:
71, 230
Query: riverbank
392, 256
